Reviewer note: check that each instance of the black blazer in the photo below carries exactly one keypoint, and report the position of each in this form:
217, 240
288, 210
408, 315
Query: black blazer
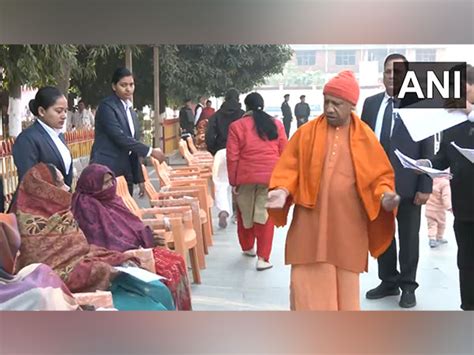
33, 146
462, 184
113, 140
407, 183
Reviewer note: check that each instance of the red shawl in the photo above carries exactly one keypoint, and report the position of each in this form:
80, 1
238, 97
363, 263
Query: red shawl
50, 235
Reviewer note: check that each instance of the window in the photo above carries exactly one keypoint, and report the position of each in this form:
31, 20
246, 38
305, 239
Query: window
305, 58
426, 55
345, 57
378, 55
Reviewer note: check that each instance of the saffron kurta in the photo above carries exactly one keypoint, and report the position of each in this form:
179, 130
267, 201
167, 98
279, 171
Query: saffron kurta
346, 192
338, 223
336, 177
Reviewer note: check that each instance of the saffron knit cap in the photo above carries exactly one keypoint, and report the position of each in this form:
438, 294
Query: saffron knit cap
344, 86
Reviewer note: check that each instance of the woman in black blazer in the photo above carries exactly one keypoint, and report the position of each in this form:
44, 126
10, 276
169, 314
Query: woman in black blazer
117, 134
43, 141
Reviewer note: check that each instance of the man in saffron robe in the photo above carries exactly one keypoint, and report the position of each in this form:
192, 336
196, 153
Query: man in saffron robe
342, 184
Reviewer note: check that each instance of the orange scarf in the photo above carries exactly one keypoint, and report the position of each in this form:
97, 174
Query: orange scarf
300, 167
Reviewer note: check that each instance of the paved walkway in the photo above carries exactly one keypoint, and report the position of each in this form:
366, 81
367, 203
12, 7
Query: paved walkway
231, 283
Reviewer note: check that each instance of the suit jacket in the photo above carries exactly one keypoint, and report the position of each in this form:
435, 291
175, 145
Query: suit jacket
462, 184
407, 183
302, 110
286, 110
186, 119
114, 141
33, 146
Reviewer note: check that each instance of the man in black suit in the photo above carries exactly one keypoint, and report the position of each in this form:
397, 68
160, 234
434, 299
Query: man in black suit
302, 111
116, 143
462, 191
287, 116
413, 189
186, 118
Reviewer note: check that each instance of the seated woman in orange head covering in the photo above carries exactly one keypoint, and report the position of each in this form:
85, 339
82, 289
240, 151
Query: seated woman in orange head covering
342, 184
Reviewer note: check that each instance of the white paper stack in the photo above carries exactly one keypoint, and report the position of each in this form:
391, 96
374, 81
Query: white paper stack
139, 273
410, 163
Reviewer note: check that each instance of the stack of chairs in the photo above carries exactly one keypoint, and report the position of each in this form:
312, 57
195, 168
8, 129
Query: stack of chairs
173, 224
180, 209
202, 161
191, 182
8, 170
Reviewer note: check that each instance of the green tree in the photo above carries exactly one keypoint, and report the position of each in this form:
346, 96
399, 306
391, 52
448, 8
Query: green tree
33, 65
189, 71
39, 65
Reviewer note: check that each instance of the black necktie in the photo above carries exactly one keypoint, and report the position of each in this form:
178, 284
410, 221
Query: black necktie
387, 126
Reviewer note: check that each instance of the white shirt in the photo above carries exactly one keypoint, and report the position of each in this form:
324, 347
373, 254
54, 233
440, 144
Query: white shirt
63, 149
379, 122
82, 119
198, 114
470, 117
128, 106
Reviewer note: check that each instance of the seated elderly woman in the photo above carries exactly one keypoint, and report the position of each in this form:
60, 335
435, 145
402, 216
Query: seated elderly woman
36, 287
108, 223
50, 235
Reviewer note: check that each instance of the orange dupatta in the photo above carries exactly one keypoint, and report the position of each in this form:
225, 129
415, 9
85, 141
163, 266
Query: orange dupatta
300, 167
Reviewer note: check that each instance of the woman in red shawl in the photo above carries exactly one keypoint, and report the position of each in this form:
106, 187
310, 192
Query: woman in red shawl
201, 125
108, 223
50, 235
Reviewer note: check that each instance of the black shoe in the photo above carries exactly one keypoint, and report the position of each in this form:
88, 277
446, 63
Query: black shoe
382, 291
408, 299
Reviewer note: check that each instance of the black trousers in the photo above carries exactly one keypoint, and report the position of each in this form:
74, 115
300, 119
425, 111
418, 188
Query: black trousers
464, 232
129, 178
287, 124
408, 218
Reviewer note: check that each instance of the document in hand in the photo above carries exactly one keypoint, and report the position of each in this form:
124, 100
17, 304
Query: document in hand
410, 163
422, 123
468, 153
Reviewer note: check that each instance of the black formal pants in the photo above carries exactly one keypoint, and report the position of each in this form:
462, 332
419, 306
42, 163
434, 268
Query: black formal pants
408, 218
129, 178
287, 124
464, 232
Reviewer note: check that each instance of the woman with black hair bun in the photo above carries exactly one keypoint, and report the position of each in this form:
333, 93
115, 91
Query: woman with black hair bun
43, 141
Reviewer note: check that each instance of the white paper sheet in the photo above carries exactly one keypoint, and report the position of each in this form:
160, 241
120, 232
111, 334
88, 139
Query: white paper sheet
468, 153
410, 163
141, 274
426, 122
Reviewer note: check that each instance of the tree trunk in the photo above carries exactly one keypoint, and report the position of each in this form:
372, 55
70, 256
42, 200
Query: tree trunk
128, 58
63, 76
158, 119
14, 110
